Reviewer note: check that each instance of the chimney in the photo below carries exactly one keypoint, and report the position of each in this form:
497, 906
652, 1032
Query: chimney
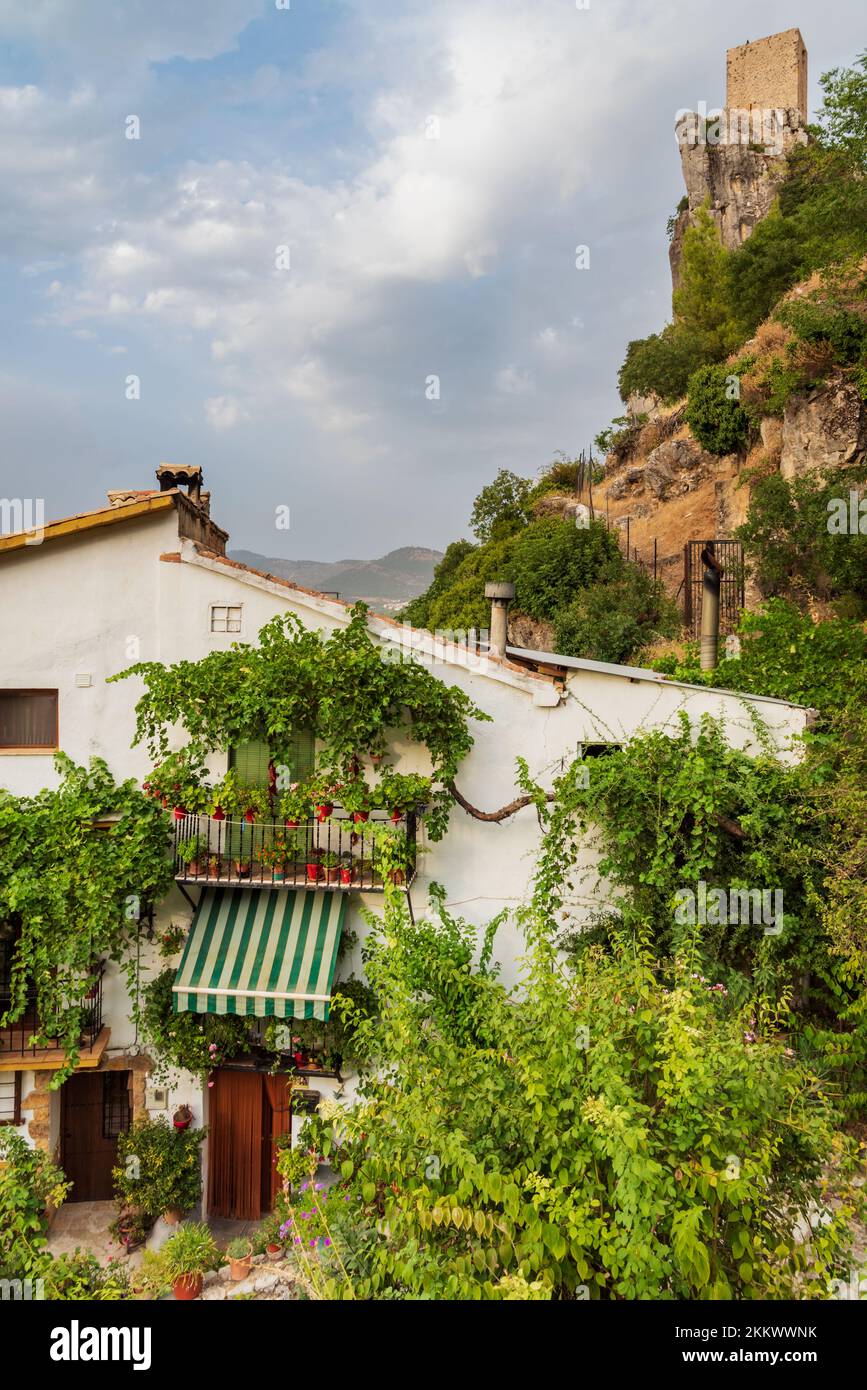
171, 475
713, 573
501, 596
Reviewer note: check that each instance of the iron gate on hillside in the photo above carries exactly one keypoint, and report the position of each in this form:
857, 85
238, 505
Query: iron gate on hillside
730, 555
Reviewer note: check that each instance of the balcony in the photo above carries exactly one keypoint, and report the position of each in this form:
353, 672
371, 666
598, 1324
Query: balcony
17, 1051
338, 855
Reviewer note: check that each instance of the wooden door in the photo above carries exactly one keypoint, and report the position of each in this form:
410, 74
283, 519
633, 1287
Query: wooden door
247, 1112
94, 1111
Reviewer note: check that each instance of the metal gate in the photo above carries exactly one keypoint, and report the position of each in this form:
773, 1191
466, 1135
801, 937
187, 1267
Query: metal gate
730, 555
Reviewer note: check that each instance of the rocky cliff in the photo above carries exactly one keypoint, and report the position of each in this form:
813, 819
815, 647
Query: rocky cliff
735, 174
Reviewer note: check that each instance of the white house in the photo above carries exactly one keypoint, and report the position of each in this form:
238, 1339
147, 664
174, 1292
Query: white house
146, 578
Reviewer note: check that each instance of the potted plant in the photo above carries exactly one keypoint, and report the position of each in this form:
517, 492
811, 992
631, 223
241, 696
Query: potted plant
399, 792
186, 1258
277, 855
323, 791
130, 1228
214, 866
165, 1177
256, 804
295, 805
239, 1253
356, 800
183, 1117
347, 869
314, 868
331, 866
192, 853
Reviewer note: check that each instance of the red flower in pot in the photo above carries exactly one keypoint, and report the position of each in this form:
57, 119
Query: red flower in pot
183, 1117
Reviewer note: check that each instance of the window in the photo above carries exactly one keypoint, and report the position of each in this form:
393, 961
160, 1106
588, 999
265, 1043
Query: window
225, 617
250, 760
115, 1104
28, 720
10, 1098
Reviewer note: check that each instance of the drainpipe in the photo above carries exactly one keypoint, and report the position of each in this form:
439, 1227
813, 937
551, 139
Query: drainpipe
713, 573
501, 596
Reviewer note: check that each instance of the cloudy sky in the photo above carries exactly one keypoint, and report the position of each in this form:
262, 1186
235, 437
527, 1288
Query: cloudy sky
329, 203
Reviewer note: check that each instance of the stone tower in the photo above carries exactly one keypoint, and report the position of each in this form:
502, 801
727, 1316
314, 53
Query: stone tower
735, 162
770, 73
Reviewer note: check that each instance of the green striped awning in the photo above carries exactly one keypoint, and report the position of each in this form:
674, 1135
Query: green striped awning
268, 954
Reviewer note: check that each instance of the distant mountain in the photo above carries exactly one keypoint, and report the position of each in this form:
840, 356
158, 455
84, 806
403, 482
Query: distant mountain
386, 584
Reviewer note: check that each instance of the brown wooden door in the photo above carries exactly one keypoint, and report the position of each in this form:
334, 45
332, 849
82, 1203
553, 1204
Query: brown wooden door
94, 1111
247, 1112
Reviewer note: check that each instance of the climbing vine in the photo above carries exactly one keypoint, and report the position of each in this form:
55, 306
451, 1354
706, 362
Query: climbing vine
352, 694
80, 866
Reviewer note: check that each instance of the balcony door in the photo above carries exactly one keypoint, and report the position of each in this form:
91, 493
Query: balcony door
94, 1110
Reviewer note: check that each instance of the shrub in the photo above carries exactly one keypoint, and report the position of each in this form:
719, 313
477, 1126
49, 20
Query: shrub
612, 622
29, 1184
702, 304
660, 364
817, 322
787, 540
158, 1167
771, 381
714, 412
578, 1142
553, 559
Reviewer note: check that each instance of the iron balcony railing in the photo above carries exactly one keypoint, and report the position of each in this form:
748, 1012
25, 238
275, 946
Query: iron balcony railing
16, 1039
338, 855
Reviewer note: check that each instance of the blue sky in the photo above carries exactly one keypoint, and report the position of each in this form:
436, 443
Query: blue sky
409, 256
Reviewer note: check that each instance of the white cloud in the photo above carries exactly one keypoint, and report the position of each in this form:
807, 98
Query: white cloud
512, 381
223, 413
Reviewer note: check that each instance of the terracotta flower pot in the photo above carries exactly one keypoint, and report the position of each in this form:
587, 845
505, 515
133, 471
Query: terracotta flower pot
323, 811
172, 1216
332, 875
188, 1288
240, 1269
179, 813
292, 824
345, 876
274, 1252
314, 873
359, 817
219, 813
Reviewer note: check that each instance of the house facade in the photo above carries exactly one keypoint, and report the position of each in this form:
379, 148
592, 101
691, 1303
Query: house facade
146, 578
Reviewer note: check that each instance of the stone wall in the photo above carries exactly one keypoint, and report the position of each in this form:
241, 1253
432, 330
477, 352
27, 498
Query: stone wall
769, 73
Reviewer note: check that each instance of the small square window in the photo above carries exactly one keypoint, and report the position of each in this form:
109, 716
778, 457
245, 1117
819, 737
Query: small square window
225, 617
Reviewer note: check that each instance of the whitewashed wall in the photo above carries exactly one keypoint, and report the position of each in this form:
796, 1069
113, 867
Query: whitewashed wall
93, 604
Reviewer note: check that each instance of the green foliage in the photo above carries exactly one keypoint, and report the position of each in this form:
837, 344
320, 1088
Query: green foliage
187, 1041
661, 363
613, 621
158, 1167
569, 1139
714, 413
189, 1253
818, 320
553, 559
29, 1184
502, 507
76, 892
787, 541
344, 687
701, 304
842, 122
418, 610
79, 1277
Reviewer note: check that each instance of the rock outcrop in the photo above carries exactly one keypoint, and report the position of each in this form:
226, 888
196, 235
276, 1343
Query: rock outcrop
824, 430
737, 175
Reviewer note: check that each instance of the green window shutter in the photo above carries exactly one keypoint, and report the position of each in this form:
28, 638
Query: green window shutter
250, 760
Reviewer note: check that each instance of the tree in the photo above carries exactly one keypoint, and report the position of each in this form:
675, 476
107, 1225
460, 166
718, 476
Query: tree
502, 507
701, 303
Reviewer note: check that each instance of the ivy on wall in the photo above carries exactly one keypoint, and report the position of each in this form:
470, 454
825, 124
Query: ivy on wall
72, 892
